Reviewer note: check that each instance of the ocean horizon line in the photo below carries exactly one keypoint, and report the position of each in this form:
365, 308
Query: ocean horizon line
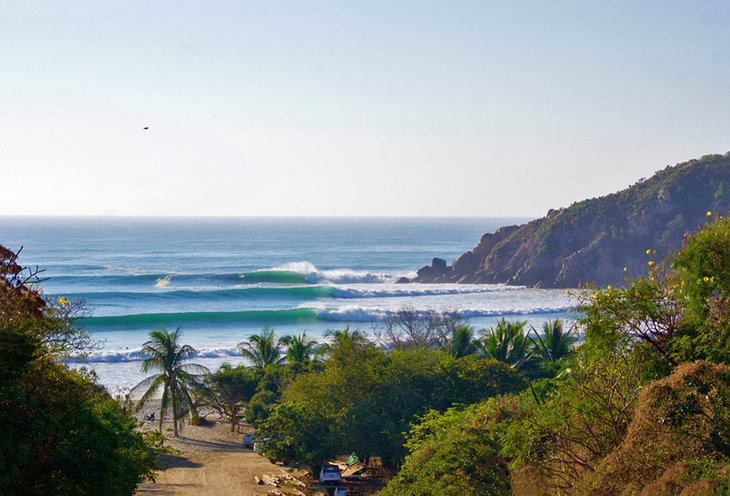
263, 217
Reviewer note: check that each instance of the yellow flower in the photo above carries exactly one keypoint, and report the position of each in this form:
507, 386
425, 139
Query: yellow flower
567, 291
709, 213
595, 297
63, 301
651, 263
648, 251
625, 269
706, 279
653, 252
609, 287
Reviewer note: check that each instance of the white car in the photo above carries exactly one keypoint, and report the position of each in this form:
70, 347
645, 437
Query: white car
330, 474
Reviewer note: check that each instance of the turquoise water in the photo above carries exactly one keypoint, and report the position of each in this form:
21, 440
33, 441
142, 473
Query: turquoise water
221, 280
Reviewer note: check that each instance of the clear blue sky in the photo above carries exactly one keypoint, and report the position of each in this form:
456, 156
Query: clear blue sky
352, 108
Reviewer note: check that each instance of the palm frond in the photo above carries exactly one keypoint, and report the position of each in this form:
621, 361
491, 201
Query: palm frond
164, 353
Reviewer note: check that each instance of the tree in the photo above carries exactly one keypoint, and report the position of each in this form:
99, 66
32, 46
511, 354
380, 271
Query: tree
474, 379
61, 432
339, 336
508, 343
555, 344
164, 353
701, 282
681, 311
462, 342
229, 389
456, 452
263, 349
23, 304
412, 328
299, 349
300, 436
365, 398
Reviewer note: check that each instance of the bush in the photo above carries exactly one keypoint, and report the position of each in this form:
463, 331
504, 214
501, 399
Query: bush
61, 433
457, 452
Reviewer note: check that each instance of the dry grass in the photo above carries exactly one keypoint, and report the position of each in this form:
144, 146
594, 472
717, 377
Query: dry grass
672, 425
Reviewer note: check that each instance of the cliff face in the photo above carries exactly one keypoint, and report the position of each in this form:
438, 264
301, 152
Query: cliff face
593, 240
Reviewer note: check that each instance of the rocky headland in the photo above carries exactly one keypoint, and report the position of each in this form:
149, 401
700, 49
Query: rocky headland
598, 241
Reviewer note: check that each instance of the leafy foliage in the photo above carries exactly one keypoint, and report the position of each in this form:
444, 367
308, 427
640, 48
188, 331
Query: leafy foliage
682, 312
263, 349
555, 344
702, 286
62, 433
508, 343
580, 422
457, 452
365, 398
462, 341
299, 349
629, 411
229, 389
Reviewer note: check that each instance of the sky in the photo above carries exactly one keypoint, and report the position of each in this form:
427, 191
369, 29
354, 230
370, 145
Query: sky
339, 108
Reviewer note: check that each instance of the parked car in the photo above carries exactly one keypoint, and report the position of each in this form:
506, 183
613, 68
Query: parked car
258, 446
249, 440
330, 474
340, 491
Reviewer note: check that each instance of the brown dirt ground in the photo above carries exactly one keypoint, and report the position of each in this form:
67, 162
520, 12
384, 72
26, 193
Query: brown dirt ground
212, 461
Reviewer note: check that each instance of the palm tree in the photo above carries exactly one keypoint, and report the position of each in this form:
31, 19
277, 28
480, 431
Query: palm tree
507, 342
339, 337
299, 349
263, 349
461, 342
556, 343
164, 353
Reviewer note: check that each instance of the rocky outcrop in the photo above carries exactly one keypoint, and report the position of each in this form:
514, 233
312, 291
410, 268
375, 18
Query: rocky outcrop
598, 241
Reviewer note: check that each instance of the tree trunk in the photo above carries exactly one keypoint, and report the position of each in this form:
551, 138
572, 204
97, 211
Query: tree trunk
173, 400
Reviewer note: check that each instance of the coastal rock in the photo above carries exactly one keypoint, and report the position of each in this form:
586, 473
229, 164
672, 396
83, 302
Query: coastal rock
438, 270
591, 242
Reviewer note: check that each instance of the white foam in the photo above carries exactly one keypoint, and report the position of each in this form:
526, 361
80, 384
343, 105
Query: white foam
369, 314
416, 290
135, 355
335, 276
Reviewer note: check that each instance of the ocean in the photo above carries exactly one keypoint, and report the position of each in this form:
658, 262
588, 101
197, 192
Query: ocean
222, 279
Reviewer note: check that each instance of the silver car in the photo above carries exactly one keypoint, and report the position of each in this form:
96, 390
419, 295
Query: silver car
330, 475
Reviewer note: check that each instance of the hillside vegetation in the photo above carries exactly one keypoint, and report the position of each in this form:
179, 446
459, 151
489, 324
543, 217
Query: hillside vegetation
642, 407
593, 241
62, 434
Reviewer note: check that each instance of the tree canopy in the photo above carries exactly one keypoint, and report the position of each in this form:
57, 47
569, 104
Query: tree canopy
62, 433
